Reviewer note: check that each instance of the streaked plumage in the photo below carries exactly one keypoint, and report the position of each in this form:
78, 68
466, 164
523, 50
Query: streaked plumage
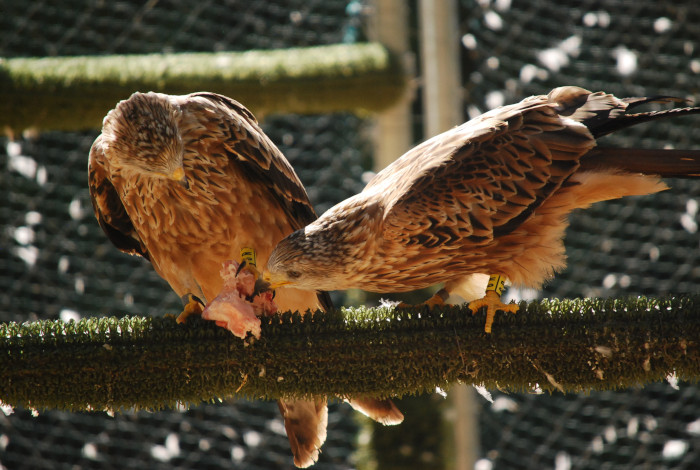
187, 182
489, 196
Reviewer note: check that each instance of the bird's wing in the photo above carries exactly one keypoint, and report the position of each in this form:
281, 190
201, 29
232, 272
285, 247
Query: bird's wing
108, 207
260, 161
247, 146
482, 179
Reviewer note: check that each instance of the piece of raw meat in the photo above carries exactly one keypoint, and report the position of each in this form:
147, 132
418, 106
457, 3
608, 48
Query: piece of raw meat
232, 310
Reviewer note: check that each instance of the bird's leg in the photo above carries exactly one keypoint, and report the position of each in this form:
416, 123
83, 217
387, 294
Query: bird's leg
439, 298
193, 306
492, 301
249, 263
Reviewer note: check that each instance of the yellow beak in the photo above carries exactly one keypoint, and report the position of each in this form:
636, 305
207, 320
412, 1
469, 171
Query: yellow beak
179, 176
275, 281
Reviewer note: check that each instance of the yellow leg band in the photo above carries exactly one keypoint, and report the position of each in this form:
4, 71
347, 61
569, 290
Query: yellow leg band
248, 255
497, 284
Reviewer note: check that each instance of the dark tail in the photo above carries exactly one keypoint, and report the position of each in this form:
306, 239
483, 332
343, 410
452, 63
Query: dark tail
667, 163
603, 113
626, 120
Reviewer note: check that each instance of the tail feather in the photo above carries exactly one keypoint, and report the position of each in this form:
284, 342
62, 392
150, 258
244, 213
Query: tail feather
382, 411
667, 163
305, 422
635, 101
604, 113
626, 120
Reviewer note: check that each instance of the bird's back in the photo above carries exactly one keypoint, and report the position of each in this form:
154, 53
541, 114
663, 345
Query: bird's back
491, 195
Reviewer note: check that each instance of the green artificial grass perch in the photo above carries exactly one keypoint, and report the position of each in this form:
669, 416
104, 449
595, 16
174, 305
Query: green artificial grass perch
75, 93
153, 363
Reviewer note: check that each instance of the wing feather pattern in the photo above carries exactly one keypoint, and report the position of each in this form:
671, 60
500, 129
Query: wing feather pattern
108, 207
484, 178
247, 146
260, 161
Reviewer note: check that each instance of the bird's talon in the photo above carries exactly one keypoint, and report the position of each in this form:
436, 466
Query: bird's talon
193, 306
493, 304
243, 264
262, 286
251, 268
436, 300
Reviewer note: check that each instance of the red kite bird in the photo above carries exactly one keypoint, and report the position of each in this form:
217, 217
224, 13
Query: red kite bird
187, 182
489, 197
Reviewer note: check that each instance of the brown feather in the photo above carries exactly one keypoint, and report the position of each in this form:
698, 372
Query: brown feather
303, 439
240, 192
490, 196
382, 411
667, 163
108, 208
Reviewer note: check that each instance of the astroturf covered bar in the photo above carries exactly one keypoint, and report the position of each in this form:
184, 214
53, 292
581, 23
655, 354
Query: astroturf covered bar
154, 363
75, 93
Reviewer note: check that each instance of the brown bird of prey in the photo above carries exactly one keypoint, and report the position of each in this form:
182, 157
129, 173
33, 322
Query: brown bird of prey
187, 182
490, 197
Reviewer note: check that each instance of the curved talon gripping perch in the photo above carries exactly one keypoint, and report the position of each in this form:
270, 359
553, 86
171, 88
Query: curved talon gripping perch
492, 301
193, 306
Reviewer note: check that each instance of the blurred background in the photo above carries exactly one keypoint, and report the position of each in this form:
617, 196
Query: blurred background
56, 263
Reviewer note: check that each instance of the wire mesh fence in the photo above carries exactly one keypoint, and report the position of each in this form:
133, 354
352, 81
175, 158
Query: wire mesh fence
635, 246
56, 262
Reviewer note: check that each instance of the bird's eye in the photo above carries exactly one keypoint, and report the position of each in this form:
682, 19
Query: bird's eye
293, 274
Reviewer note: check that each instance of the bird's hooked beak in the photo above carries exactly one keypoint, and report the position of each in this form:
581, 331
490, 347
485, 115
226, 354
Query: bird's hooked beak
180, 178
275, 280
266, 283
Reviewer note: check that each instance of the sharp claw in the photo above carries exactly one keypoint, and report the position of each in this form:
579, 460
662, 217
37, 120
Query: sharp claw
436, 300
187, 298
492, 302
193, 306
260, 286
243, 264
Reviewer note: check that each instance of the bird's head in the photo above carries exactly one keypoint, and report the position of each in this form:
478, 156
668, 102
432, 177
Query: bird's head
141, 134
303, 260
331, 253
